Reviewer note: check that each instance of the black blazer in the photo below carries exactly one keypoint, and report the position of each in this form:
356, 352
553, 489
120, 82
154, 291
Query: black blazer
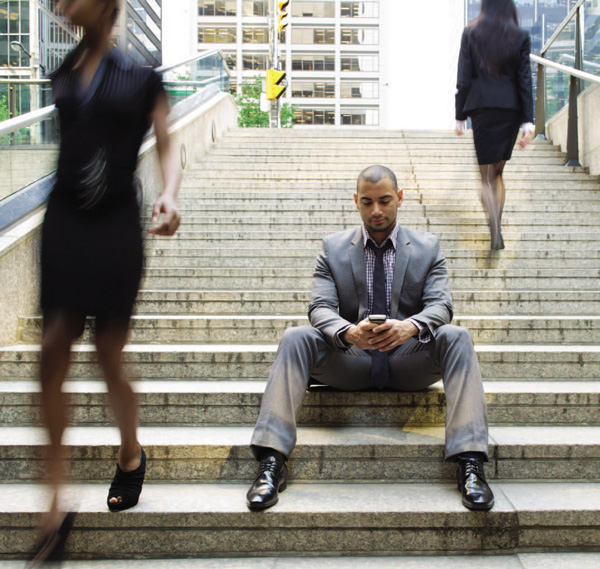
478, 89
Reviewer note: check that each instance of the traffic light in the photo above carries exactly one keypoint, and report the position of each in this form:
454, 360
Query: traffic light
282, 15
274, 87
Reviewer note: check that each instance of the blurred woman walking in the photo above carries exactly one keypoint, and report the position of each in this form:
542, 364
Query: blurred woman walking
92, 251
494, 89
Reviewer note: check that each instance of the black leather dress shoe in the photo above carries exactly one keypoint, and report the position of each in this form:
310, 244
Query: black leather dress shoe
271, 480
476, 494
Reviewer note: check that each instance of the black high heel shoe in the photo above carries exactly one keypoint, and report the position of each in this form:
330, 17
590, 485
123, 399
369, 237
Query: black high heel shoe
51, 548
127, 486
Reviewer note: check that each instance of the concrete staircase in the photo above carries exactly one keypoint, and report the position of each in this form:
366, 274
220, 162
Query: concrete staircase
368, 478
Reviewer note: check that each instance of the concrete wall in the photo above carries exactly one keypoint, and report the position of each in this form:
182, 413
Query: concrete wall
21, 166
20, 244
588, 111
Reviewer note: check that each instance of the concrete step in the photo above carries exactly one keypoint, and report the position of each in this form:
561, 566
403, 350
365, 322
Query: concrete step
349, 174
538, 188
241, 257
584, 239
282, 302
423, 223
297, 278
198, 520
234, 402
251, 361
240, 329
343, 453
569, 560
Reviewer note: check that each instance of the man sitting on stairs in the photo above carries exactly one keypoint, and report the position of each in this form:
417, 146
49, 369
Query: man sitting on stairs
380, 314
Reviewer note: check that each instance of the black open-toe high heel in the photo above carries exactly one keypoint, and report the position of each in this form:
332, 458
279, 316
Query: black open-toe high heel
127, 486
51, 548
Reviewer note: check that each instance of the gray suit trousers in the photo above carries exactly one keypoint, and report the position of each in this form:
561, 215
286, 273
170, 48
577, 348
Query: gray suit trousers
304, 353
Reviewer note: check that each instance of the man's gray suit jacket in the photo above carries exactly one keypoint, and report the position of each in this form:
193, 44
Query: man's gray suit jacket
420, 288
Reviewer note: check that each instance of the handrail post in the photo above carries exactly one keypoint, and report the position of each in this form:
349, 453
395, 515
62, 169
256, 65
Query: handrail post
12, 109
540, 103
574, 90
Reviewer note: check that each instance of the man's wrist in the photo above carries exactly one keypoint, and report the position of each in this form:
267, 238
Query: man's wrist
346, 335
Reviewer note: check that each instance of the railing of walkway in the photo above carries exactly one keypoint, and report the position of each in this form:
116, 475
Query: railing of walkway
570, 57
29, 140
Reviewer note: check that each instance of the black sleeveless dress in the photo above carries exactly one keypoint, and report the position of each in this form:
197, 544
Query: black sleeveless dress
92, 250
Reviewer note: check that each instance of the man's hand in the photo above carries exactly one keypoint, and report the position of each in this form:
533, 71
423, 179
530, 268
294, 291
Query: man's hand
165, 205
360, 335
383, 337
391, 334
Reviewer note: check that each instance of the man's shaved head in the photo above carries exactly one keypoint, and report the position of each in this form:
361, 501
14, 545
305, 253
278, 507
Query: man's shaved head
374, 175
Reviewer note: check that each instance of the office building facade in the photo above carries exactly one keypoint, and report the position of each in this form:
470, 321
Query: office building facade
330, 53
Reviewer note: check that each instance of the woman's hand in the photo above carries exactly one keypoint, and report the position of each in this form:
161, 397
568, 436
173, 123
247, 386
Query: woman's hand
166, 206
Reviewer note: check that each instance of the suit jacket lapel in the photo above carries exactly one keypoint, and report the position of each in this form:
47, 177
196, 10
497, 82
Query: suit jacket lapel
359, 271
403, 250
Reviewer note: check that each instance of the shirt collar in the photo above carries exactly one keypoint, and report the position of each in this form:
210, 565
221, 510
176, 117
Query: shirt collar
393, 236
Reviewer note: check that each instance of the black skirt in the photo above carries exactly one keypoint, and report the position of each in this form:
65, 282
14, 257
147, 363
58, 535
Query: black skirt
495, 132
91, 264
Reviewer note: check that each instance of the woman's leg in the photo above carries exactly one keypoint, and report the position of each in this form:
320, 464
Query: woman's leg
60, 329
111, 337
492, 199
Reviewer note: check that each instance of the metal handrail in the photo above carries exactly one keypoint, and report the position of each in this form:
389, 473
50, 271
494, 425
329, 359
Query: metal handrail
584, 75
16, 123
576, 75
562, 26
11, 125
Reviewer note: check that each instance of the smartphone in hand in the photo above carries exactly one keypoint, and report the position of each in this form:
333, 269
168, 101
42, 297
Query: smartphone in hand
377, 318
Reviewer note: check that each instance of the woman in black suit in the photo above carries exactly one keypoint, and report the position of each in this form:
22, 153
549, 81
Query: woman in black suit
494, 89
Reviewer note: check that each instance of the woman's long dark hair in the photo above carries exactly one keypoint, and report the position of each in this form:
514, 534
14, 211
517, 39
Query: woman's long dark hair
493, 34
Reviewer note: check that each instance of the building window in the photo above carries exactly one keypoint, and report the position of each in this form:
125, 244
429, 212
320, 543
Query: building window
255, 8
254, 61
359, 90
312, 89
231, 59
14, 26
255, 35
361, 117
323, 36
314, 116
359, 36
313, 62
210, 34
359, 10
217, 7
310, 9
369, 63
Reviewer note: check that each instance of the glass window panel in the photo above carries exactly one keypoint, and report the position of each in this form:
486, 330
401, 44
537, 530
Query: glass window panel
360, 117
359, 36
359, 9
254, 61
308, 35
368, 63
360, 90
210, 34
309, 89
313, 9
217, 7
255, 35
255, 8
313, 62
231, 59
314, 116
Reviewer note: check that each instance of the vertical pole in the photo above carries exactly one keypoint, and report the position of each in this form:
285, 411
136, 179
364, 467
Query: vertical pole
274, 123
574, 89
12, 109
540, 103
